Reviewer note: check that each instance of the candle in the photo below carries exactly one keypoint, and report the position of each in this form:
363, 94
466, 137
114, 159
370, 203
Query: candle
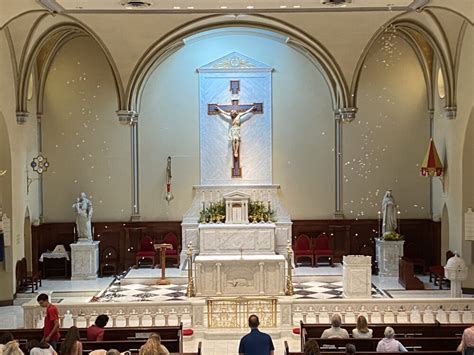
74, 230
399, 220
379, 214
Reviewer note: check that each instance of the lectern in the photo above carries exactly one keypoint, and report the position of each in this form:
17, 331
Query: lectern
163, 247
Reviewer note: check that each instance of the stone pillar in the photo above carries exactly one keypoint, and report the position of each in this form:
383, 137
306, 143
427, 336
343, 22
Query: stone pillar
388, 254
456, 272
357, 276
84, 260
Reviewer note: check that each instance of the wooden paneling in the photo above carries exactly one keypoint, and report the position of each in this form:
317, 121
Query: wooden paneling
349, 236
124, 237
346, 236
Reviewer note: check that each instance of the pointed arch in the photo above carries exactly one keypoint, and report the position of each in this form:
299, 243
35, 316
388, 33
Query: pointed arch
429, 51
41, 54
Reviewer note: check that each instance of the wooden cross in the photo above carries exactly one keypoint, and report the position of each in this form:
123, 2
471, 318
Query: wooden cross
212, 109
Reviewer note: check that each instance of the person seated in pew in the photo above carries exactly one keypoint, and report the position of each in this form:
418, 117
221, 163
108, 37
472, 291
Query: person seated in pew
335, 332
467, 341
350, 349
362, 329
311, 347
8, 345
71, 345
96, 331
388, 344
35, 347
153, 346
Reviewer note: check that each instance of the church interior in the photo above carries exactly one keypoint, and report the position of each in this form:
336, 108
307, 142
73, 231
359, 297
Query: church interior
182, 164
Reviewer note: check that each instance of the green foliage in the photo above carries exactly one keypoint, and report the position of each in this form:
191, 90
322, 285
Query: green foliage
259, 212
393, 236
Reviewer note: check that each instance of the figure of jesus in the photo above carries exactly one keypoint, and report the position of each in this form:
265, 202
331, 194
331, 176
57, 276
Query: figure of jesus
235, 122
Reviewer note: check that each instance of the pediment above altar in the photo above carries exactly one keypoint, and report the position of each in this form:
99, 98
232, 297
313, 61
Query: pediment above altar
234, 61
236, 196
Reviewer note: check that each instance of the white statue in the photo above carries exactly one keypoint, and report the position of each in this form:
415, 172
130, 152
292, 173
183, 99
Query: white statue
389, 213
83, 209
235, 122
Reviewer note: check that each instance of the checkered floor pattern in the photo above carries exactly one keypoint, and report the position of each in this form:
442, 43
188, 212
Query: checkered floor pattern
325, 290
141, 293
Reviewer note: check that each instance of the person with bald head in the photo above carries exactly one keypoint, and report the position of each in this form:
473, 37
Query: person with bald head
256, 342
335, 331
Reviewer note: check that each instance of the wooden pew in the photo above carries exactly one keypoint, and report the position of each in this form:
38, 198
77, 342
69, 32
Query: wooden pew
172, 336
361, 352
308, 330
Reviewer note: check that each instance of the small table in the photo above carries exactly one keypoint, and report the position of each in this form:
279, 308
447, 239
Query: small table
163, 247
55, 255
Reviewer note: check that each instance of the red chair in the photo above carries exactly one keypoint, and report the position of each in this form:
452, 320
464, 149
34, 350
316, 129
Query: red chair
171, 238
146, 252
303, 249
322, 249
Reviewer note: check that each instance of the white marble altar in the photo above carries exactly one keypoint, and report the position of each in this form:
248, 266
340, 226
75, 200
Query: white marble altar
192, 229
225, 239
388, 254
84, 260
248, 275
357, 276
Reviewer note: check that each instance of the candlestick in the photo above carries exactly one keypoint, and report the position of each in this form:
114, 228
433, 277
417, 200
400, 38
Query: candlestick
379, 214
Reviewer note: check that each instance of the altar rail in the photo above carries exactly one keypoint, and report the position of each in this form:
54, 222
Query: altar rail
289, 312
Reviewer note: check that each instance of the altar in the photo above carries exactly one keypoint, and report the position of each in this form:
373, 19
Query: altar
237, 225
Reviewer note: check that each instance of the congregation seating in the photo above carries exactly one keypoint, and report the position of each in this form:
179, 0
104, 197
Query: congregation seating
422, 338
120, 338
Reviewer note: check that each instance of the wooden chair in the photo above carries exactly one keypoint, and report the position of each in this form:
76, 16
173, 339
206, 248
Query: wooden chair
146, 252
171, 238
303, 249
108, 261
322, 249
29, 278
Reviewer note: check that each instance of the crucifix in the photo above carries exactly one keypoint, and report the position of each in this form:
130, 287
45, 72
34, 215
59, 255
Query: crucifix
234, 114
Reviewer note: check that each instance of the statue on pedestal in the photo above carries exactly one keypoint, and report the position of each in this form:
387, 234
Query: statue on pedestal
389, 213
83, 209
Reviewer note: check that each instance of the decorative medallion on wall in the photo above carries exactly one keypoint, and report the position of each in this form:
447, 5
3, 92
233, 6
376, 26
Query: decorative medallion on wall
40, 164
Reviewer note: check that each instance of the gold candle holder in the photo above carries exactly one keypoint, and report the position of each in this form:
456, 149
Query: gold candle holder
190, 290
289, 278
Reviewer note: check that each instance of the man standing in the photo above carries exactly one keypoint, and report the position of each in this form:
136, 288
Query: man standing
256, 342
51, 321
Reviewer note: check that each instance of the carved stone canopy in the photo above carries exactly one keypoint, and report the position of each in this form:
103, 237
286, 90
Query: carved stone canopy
236, 207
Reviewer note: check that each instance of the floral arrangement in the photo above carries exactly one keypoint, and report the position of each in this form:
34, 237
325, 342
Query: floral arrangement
393, 236
259, 212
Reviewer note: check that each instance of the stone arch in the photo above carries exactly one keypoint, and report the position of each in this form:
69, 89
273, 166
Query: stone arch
430, 53
297, 39
41, 55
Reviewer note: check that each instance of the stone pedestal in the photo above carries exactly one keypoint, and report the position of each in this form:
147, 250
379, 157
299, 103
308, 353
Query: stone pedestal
357, 276
456, 272
84, 260
234, 275
388, 256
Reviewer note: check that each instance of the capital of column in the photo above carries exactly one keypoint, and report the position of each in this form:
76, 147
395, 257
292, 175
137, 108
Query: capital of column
21, 117
39, 117
346, 114
450, 112
127, 117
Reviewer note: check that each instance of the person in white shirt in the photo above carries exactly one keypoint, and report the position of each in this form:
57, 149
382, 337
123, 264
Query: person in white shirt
40, 348
335, 331
362, 330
